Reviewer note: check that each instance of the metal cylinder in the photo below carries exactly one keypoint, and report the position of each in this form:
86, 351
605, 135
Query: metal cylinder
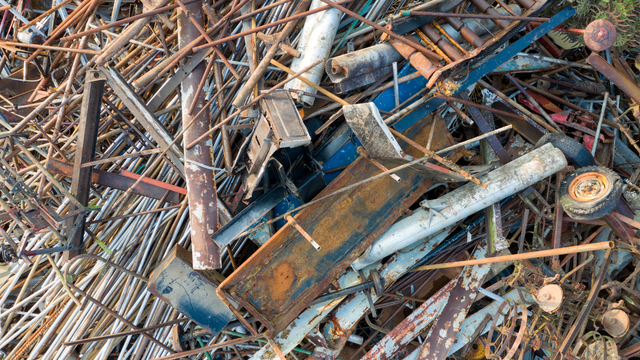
434, 36
477, 27
466, 33
465, 201
316, 40
527, 4
487, 9
417, 59
362, 67
201, 185
29, 36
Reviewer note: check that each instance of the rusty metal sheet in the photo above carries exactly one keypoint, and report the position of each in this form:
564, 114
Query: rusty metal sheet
443, 332
116, 181
287, 273
413, 324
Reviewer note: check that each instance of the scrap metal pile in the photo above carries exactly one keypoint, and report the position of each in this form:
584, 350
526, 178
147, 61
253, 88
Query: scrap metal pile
319, 179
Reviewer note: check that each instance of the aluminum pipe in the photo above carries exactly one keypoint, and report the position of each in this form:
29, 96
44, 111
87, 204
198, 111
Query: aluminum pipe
465, 201
316, 40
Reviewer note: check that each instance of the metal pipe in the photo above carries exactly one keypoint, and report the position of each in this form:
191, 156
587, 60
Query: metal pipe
465, 201
386, 31
607, 245
315, 42
604, 110
439, 42
418, 60
396, 91
201, 185
473, 16
472, 29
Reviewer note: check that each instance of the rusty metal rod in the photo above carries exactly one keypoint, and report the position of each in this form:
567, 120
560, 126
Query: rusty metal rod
524, 256
119, 317
257, 11
124, 21
478, 106
125, 333
526, 111
41, 16
533, 102
557, 99
438, 158
565, 84
266, 26
473, 16
258, 72
48, 47
135, 214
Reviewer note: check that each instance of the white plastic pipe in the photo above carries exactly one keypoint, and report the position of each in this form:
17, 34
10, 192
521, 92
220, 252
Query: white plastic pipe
465, 201
315, 43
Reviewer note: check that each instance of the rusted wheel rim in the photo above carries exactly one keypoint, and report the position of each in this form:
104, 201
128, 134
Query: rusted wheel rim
589, 186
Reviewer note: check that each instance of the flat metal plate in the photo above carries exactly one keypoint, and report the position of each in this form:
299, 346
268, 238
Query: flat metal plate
373, 133
190, 292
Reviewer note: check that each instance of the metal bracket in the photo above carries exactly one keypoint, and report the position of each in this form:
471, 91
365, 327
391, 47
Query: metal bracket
425, 205
291, 221
95, 75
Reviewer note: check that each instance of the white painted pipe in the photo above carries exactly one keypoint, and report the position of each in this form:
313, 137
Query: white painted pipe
465, 201
315, 44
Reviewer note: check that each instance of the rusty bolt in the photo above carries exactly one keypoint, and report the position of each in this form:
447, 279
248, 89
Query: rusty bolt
601, 34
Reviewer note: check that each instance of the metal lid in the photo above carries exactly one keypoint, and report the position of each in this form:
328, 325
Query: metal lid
549, 297
600, 35
616, 322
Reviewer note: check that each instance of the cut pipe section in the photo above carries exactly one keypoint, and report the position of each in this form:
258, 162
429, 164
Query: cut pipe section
316, 40
416, 58
448, 49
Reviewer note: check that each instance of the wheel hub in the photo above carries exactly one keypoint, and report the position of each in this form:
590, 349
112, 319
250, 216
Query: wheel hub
588, 186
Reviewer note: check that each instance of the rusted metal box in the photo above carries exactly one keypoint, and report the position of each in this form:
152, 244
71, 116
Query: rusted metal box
191, 292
